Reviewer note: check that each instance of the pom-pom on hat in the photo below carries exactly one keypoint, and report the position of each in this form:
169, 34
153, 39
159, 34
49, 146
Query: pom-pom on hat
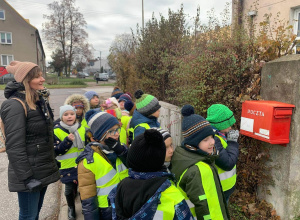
125, 97
146, 104
90, 94
64, 108
147, 152
130, 106
194, 127
20, 69
220, 116
100, 122
117, 92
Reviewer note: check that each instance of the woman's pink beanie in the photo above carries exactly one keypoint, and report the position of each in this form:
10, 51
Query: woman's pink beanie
20, 69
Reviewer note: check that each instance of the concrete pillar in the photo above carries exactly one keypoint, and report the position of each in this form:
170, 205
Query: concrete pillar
281, 82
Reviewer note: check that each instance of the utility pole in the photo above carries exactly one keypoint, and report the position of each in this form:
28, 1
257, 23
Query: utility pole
143, 14
100, 62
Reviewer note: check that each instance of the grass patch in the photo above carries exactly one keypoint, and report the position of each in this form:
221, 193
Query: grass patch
107, 84
69, 80
61, 86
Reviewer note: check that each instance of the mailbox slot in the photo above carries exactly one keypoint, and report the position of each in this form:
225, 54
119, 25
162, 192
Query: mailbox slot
283, 112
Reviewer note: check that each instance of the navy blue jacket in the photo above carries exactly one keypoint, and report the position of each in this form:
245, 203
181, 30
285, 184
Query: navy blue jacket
227, 157
138, 118
60, 148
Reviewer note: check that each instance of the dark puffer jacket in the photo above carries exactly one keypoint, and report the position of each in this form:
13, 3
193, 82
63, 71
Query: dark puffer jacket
29, 140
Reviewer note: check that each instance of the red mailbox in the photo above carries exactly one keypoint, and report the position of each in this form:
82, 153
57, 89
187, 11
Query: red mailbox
267, 121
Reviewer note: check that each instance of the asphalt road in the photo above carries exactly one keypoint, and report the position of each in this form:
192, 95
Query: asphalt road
9, 209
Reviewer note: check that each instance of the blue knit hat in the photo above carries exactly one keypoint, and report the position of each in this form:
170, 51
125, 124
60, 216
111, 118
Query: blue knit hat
194, 127
90, 94
117, 92
100, 122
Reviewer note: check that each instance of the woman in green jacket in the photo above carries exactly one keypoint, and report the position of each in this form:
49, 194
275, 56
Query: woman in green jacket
193, 166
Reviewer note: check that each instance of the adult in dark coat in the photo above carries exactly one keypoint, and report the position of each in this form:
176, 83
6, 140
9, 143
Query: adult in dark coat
29, 139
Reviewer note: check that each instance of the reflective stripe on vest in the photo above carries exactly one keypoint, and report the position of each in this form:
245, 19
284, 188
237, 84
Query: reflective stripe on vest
168, 200
68, 159
123, 136
227, 178
121, 169
210, 190
106, 178
143, 125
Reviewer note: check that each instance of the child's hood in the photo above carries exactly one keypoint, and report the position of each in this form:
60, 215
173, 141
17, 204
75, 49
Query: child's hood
78, 97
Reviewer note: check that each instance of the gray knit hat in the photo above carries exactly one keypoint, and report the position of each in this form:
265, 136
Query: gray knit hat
64, 108
146, 104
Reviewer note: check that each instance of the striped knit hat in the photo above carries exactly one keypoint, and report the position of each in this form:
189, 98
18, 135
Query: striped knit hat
163, 132
125, 97
100, 122
194, 127
146, 104
117, 92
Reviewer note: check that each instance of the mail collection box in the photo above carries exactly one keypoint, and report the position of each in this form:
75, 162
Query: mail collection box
267, 121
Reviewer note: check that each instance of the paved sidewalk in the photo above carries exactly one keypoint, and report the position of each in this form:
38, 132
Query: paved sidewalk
63, 215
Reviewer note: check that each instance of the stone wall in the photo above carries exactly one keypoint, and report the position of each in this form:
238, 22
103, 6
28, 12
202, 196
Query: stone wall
280, 82
170, 119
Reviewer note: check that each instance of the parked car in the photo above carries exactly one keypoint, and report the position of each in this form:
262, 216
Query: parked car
101, 77
82, 75
6, 78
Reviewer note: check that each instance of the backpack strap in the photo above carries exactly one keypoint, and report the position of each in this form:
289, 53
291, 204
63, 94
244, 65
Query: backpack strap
23, 104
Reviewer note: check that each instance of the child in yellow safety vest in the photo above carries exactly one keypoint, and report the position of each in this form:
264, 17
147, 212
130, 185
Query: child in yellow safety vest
193, 166
69, 142
101, 165
221, 118
146, 114
148, 193
81, 104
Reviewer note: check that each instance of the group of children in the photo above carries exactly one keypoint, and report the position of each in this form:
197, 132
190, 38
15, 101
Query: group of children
126, 166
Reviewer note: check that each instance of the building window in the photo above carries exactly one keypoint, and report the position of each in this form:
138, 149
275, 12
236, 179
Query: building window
2, 14
296, 22
5, 38
6, 59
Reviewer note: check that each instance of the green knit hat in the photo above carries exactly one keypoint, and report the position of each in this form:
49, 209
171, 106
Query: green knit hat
146, 104
220, 116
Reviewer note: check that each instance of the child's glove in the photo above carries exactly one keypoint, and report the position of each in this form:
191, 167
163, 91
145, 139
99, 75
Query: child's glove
114, 145
233, 135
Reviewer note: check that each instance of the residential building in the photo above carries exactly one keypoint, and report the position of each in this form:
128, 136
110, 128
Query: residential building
19, 40
255, 10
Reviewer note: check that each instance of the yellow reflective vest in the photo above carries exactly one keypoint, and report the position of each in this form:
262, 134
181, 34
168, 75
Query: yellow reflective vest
227, 178
168, 200
106, 177
68, 159
211, 193
144, 125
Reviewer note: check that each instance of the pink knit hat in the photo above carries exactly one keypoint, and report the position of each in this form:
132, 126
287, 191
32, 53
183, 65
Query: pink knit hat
20, 69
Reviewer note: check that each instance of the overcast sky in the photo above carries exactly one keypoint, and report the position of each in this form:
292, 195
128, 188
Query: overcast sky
106, 19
